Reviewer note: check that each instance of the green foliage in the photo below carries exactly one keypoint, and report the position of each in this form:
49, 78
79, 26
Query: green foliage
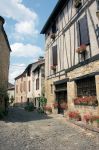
43, 101
1, 114
4, 97
40, 110
11, 99
29, 107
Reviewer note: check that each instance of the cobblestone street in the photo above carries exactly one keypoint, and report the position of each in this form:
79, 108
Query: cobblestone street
23, 130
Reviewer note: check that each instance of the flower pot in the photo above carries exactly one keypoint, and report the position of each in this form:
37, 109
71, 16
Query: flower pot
53, 68
77, 3
81, 49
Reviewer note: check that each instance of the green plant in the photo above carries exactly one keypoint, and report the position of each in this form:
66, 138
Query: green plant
40, 110
43, 102
29, 107
4, 98
11, 99
1, 114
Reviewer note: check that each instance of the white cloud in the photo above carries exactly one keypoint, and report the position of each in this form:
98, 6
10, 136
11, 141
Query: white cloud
26, 27
26, 50
26, 20
15, 70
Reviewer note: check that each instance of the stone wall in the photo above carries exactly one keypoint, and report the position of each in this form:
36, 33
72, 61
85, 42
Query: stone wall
4, 61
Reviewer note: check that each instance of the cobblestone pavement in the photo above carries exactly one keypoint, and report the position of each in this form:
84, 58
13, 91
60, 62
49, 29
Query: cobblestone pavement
23, 130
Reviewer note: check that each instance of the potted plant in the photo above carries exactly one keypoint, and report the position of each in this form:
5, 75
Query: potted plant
81, 49
48, 109
55, 105
52, 36
74, 115
63, 105
53, 67
77, 3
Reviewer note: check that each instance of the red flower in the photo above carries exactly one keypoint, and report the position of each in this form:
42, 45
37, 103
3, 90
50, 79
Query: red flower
74, 115
55, 105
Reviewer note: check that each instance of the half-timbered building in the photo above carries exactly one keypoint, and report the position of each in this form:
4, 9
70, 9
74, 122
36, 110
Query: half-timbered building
72, 54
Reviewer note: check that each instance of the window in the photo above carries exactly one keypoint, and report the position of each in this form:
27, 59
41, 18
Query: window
37, 84
86, 87
82, 32
21, 87
97, 4
16, 88
51, 88
54, 55
29, 87
24, 86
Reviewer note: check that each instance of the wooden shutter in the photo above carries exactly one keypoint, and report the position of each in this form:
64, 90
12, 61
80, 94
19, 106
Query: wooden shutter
54, 55
54, 28
37, 83
83, 29
78, 34
97, 4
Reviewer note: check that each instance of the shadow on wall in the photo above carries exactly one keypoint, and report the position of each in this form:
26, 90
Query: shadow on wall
18, 114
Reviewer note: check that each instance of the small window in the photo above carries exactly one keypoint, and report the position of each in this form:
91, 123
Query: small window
86, 87
51, 88
37, 84
24, 86
29, 86
21, 87
16, 88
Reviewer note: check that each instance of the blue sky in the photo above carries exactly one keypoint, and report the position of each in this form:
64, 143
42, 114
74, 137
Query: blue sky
24, 21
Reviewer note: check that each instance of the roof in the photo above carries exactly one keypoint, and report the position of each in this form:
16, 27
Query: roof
3, 21
59, 6
38, 66
28, 68
11, 86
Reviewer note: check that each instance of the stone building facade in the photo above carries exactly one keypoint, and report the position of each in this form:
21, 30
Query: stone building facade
4, 62
25, 84
72, 54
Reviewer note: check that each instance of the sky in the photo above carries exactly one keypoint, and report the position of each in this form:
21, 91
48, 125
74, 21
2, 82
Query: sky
24, 20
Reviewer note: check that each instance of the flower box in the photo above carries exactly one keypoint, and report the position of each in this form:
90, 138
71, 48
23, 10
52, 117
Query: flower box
53, 68
97, 14
77, 3
86, 101
81, 49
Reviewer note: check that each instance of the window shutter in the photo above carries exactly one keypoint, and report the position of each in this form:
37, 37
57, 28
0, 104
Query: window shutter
84, 34
54, 28
78, 34
97, 4
54, 53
